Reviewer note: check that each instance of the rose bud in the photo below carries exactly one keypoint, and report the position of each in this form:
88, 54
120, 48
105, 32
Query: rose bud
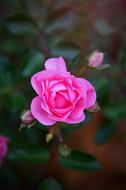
3, 147
96, 59
64, 150
27, 117
94, 108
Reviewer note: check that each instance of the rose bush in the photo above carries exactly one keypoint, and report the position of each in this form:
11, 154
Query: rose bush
61, 96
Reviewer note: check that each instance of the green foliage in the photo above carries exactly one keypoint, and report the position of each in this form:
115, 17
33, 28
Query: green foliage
21, 25
32, 63
67, 49
104, 133
58, 19
30, 154
49, 184
72, 127
40, 126
57, 14
78, 160
115, 111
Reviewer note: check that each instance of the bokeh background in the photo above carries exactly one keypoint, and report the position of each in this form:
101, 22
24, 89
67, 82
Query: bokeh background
30, 32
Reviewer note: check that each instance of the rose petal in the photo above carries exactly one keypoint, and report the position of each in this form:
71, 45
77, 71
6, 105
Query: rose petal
76, 85
61, 102
77, 120
79, 108
43, 76
90, 92
72, 93
39, 113
38, 86
56, 64
58, 87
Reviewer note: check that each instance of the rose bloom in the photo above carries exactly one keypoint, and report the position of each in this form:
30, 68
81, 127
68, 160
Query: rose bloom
61, 97
3, 147
96, 59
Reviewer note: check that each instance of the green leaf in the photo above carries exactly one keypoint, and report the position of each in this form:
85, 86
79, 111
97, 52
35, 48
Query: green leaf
115, 111
49, 184
29, 153
40, 126
104, 133
4, 62
21, 25
80, 161
68, 50
101, 84
32, 63
57, 14
74, 62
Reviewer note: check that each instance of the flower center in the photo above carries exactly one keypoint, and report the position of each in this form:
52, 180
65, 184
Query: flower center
60, 101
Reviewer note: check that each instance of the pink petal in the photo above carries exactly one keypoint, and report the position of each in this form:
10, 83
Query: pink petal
58, 87
43, 76
40, 115
38, 86
65, 94
76, 85
56, 64
72, 93
90, 92
44, 105
78, 110
61, 102
77, 120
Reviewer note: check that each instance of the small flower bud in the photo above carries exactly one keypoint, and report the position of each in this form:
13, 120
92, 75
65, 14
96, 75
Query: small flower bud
49, 137
94, 108
64, 150
27, 117
96, 59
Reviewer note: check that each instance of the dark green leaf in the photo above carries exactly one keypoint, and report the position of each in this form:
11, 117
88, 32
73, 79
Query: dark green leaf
67, 50
30, 153
40, 126
9, 46
49, 184
32, 63
115, 111
104, 133
74, 62
57, 14
21, 25
4, 62
102, 87
80, 161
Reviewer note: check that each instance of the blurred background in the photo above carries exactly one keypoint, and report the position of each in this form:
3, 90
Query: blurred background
30, 32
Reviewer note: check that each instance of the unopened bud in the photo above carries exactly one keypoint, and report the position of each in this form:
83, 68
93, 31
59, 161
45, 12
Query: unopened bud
64, 150
27, 117
94, 108
96, 59
49, 137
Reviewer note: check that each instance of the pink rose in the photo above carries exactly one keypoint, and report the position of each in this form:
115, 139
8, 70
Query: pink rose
3, 147
61, 96
96, 59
